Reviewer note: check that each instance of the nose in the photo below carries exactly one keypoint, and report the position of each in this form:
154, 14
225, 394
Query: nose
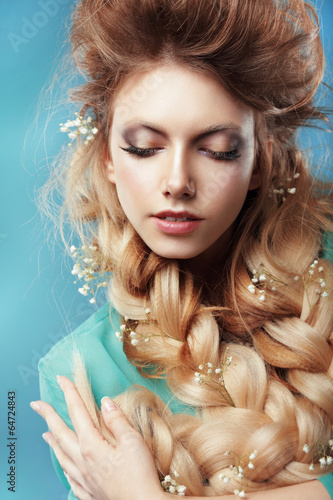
178, 181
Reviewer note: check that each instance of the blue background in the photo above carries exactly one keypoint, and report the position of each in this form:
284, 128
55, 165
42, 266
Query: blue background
39, 303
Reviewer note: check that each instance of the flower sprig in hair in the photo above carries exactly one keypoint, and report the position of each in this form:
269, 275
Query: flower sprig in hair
170, 485
128, 330
263, 281
78, 127
87, 268
315, 275
321, 451
238, 470
284, 188
214, 376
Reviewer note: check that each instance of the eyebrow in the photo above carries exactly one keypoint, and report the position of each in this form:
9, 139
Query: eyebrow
210, 129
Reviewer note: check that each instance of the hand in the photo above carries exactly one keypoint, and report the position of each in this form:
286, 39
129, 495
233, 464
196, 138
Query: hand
94, 468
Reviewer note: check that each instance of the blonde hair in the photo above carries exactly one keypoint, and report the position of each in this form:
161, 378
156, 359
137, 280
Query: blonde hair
280, 377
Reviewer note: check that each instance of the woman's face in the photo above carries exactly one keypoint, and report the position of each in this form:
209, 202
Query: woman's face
181, 157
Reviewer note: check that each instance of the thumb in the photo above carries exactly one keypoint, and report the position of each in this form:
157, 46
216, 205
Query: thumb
114, 418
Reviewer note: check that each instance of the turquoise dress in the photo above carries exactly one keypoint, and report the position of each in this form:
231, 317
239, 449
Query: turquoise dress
109, 371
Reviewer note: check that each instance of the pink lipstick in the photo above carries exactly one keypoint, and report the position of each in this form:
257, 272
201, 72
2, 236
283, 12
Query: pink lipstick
172, 222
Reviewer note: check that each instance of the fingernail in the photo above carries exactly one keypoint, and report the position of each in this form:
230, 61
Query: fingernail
35, 406
108, 404
66, 475
59, 381
46, 438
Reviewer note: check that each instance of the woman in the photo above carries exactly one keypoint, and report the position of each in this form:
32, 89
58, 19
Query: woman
191, 189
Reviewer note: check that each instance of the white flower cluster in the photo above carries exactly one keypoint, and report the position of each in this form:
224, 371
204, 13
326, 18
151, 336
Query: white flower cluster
87, 268
238, 470
315, 275
81, 126
207, 376
170, 485
325, 460
263, 279
283, 190
135, 337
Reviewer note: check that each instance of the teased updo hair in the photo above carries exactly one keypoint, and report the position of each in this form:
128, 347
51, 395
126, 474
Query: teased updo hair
267, 54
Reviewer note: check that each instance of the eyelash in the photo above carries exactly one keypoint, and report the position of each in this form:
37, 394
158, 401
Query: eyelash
217, 155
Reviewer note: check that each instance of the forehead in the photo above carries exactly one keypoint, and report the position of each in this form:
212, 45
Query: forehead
180, 98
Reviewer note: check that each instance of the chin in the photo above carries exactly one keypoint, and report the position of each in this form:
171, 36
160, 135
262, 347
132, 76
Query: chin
174, 254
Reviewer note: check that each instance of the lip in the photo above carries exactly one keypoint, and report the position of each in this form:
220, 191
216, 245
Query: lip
174, 227
177, 215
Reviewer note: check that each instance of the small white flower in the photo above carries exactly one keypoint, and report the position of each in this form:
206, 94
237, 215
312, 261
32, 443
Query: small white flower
147, 339
296, 278
315, 262
292, 190
254, 280
83, 291
262, 298
324, 294
92, 301
172, 489
329, 460
167, 479
175, 474
253, 455
311, 467
73, 248
210, 365
323, 284
273, 289
320, 269
83, 130
209, 371
322, 461
201, 367
251, 288
218, 370
134, 341
147, 311
311, 272
262, 277
306, 448
122, 327
251, 466
330, 442
94, 130
296, 176
241, 494
226, 479
133, 334
72, 135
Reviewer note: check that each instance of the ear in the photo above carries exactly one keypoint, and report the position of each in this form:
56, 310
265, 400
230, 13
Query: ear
110, 171
255, 180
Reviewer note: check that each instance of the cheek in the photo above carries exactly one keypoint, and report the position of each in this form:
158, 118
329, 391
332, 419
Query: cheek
226, 187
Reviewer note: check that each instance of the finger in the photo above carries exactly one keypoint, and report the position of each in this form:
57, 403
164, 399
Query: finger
64, 460
62, 434
81, 420
115, 420
77, 489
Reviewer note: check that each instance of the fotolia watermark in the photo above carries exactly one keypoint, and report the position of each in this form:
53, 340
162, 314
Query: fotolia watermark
30, 27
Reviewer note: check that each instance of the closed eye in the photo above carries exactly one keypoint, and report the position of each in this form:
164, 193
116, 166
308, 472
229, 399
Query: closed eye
222, 155
141, 152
